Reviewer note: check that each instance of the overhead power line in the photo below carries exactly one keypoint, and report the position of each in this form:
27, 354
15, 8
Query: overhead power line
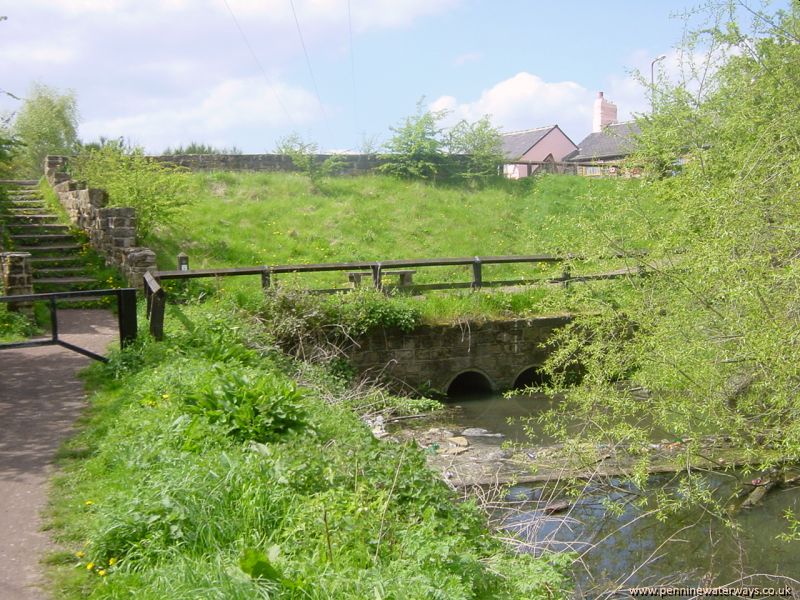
266, 77
352, 68
308, 64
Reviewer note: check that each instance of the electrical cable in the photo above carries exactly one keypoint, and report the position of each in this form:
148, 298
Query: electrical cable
268, 81
308, 64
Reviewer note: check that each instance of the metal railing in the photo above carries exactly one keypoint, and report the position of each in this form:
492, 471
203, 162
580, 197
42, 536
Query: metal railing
126, 309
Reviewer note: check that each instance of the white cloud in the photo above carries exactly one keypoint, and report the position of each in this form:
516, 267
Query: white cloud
366, 14
236, 104
57, 53
525, 101
467, 57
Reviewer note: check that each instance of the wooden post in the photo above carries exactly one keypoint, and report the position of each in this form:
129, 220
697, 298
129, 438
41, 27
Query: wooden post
265, 278
157, 315
126, 305
376, 276
183, 262
566, 275
477, 277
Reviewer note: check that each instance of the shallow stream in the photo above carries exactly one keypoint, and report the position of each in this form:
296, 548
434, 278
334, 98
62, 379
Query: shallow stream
634, 548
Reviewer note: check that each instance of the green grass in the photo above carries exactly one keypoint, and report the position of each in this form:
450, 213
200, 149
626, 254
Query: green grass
276, 218
240, 219
203, 471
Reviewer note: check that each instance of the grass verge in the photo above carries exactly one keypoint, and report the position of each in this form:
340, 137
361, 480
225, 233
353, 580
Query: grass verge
203, 470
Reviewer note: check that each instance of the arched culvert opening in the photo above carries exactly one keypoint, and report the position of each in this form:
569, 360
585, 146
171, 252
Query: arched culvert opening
530, 377
469, 383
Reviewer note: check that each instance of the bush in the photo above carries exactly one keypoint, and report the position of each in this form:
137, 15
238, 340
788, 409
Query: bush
305, 158
199, 148
156, 190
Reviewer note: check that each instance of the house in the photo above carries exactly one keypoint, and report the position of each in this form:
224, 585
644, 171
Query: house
541, 145
601, 152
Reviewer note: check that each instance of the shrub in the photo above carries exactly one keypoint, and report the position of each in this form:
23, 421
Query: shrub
199, 148
157, 191
256, 407
305, 157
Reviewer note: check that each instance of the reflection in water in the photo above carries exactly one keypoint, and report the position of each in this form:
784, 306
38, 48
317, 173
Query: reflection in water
690, 548
505, 415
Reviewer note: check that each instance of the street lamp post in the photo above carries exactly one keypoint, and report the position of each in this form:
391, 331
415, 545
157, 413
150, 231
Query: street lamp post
653, 80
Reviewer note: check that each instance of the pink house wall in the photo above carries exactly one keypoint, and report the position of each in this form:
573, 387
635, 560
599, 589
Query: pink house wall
555, 143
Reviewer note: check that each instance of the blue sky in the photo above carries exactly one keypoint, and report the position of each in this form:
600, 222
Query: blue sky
168, 72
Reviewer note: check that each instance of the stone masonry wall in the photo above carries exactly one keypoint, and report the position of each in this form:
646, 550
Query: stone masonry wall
351, 164
111, 230
433, 356
16, 274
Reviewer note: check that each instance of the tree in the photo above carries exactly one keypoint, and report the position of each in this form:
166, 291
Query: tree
156, 190
421, 148
416, 148
46, 124
712, 334
481, 146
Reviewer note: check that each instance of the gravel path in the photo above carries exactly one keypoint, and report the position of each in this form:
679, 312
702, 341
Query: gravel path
40, 398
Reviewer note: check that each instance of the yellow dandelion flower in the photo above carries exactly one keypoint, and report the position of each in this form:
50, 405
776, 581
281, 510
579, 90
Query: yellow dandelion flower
112, 561
102, 572
89, 502
80, 554
165, 396
89, 566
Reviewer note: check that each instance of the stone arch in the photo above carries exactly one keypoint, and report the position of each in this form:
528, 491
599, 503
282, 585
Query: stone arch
530, 375
469, 382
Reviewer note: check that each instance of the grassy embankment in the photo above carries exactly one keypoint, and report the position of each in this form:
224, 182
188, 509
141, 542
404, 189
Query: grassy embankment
249, 219
204, 471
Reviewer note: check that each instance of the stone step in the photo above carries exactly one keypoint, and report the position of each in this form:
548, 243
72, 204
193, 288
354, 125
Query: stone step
25, 202
46, 262
19, 182
38, 227
49, 248
75, 270
46, 237
32, 210
64, 280
32, 218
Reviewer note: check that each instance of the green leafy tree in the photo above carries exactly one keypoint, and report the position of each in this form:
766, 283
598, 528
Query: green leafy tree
422, 149
480, 145
156, 190
47, 123
416, 149
712, 334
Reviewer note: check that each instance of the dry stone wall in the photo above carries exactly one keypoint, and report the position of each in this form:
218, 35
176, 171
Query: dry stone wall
111, 230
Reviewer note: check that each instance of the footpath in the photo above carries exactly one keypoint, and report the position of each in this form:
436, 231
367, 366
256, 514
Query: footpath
41, 397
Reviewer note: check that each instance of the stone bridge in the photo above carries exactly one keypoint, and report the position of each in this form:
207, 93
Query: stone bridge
453, 359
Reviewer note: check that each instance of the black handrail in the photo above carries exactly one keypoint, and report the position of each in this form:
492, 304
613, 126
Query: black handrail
126, 309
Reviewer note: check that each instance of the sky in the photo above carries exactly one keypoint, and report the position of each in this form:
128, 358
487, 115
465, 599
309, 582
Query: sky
339, 73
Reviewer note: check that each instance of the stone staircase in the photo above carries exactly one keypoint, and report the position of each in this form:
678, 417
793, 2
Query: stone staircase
56, 259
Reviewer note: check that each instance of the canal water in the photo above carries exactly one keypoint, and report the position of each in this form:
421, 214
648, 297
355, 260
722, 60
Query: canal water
634, 548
